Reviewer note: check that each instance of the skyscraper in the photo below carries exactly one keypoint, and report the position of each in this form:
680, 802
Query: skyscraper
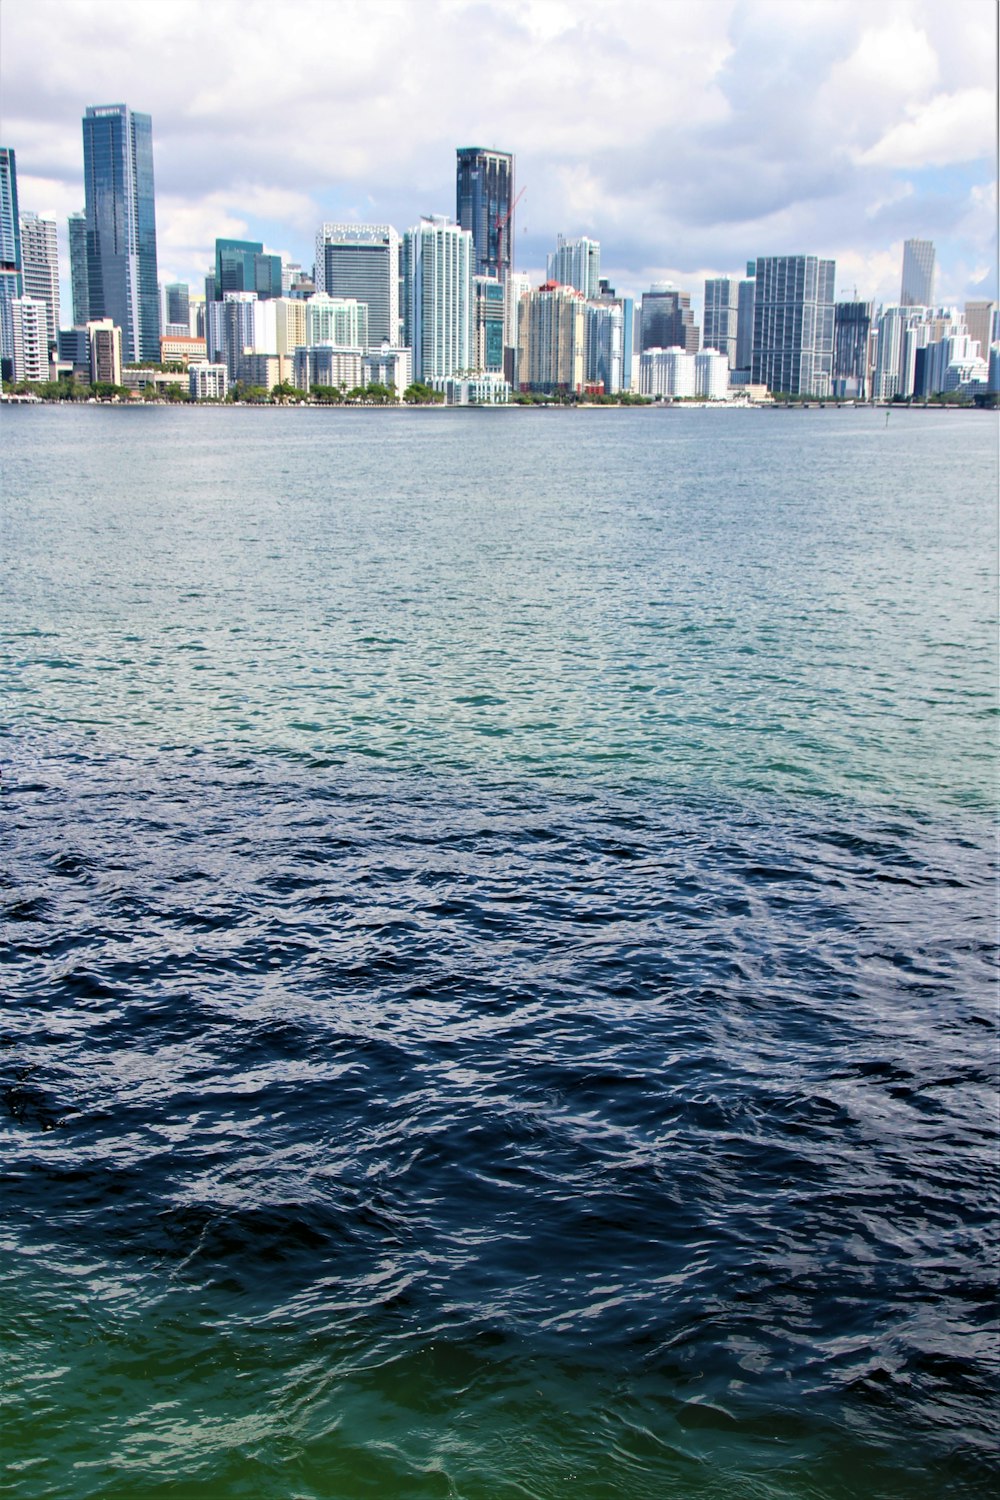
78, 269
362, 261
40, 267
667, 321
11, 284
243, 266
121, 226
721, 321
484, 205
576, 263
793, 324
438, 297
176, 296
851, 341
918, 274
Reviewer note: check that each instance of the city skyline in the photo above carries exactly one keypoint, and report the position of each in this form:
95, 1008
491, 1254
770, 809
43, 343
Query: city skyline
893, 138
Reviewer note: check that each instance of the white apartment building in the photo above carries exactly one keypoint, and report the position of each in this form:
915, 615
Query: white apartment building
30, 320
208, 382
438, 312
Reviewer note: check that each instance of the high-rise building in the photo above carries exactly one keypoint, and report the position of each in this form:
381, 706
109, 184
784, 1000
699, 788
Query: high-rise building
744, 323
576, 263
667, 320
552, 339
244, 266
363, 261
720, 326
981, 321
30, 326
484, 205
489, 321
917, 289
11, 283
40, 267
793, 324
78, 269
176, 295
852, 326
605, 335
122, 281
438, 298
336, 320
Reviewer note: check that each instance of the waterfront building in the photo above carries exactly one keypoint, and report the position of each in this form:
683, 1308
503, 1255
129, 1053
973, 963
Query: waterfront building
362, 261
482, 388
239, 326
720, 324
484, 205
388, 366
74, 351
77, 225
11, 281
30, 338
852, 327
437, 272
793, 324
336, 320
121, 226
208, 382
667, 321
105, 351
40, 268
576, 263
917, 285
744, 325
895, 362
182, 349
263, 370
489, 318
326, 364
711, 375
605, 344
667, 373
552, 340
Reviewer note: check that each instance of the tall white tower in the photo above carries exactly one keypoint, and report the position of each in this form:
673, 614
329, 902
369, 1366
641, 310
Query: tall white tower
437, 274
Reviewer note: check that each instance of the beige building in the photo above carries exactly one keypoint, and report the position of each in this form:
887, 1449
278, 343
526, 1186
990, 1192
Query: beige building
552, 339
182, 351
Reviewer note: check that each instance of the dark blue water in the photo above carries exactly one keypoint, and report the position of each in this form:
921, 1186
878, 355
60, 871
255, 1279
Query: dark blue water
500, 966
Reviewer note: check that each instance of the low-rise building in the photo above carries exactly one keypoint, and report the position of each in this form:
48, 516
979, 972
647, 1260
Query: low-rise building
329, 365
208, 382
105, 351
476, 388
182, 349
390, 366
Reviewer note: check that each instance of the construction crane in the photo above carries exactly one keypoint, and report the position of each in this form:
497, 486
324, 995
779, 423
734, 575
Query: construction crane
503, 220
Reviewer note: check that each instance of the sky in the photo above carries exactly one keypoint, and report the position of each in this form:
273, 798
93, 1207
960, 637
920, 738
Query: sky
687, 136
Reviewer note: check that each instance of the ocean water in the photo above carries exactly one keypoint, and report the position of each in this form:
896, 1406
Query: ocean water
500, 960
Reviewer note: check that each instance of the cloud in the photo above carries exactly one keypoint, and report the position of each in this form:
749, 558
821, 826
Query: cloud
681, 135
949, 128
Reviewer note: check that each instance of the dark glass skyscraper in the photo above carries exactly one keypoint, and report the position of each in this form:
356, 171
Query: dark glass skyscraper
484, 203
793, 324
11, 282
121, 226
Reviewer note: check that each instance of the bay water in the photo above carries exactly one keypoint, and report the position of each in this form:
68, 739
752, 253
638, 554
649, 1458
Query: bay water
500, 961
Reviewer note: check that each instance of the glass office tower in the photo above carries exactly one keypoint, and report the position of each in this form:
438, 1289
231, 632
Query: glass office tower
121, 226
484, 204
11, 283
